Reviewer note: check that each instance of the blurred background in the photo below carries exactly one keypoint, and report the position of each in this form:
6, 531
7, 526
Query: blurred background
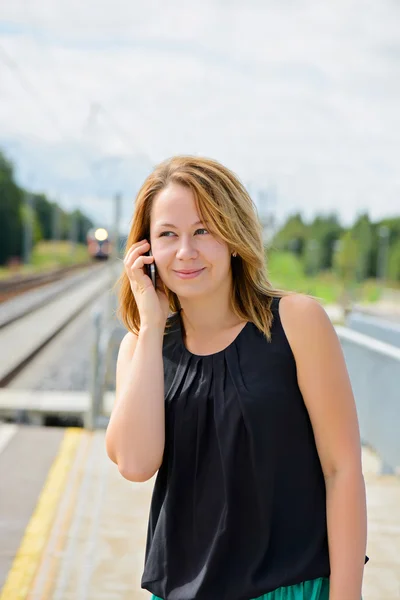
300, 100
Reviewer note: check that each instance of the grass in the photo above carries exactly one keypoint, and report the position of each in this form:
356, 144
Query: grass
46, 256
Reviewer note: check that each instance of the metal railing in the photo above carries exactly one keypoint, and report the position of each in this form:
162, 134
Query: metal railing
374, 370
107, 336
380, 329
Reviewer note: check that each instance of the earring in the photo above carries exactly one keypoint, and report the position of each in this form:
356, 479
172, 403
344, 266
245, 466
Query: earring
234, 254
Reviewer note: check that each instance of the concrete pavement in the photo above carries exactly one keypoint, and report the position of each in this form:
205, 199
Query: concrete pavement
94, 548
382, 573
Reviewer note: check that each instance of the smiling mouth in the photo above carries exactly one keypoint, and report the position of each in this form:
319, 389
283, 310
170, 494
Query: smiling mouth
189, 271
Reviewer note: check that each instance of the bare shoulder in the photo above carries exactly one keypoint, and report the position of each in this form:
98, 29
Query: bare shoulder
304, 321
300, 305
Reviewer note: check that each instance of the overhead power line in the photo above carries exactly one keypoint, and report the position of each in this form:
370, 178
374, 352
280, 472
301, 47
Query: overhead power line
27, 85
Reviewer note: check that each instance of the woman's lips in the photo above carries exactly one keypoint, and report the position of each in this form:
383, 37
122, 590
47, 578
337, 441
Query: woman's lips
188, 274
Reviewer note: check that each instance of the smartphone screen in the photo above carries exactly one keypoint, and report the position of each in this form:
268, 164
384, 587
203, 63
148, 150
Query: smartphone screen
151, 270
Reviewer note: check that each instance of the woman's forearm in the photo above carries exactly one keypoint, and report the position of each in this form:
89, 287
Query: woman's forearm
136, 431
347, 533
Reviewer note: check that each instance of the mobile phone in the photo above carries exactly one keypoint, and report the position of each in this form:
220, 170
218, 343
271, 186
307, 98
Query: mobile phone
151, 270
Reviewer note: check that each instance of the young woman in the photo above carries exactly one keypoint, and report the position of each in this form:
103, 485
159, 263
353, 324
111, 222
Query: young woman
238, 395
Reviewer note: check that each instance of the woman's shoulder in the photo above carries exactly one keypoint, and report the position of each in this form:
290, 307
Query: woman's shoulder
295, 303
296, 306
300, 315
289, 310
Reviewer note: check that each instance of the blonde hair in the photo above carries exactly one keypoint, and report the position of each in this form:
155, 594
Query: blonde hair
223, 202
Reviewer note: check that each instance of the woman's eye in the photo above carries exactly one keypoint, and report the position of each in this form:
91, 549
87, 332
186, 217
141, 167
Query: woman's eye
200, 231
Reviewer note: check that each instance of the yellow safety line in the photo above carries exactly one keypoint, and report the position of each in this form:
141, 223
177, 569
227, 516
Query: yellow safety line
55, 559
29, 553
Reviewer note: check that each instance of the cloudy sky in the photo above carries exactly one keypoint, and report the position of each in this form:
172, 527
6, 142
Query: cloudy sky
300, 98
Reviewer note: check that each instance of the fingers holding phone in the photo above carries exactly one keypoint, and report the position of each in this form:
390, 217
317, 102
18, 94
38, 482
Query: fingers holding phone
136, 261
151, 271
140, 269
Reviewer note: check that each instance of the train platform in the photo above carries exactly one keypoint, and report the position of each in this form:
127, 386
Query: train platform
71, 528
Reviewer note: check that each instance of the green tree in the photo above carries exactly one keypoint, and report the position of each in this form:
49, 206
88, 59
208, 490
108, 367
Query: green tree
44, 215
363, 232
28, 213
292, 236
83, 225
346, 259
394, 262
378, 252
323, 232
11, 200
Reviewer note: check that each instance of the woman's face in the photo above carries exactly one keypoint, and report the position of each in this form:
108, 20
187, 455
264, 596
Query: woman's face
190, 260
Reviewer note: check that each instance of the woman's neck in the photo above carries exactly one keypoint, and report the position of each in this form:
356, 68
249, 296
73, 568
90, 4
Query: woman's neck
208, 315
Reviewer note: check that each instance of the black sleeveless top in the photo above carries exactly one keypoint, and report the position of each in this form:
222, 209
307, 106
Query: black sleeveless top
238, 507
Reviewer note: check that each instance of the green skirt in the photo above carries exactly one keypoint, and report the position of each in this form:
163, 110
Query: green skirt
317, 589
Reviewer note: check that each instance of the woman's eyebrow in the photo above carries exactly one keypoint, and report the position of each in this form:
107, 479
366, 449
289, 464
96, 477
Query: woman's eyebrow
175, 227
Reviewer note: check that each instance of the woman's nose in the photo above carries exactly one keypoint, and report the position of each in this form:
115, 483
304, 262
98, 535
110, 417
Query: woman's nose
186, 249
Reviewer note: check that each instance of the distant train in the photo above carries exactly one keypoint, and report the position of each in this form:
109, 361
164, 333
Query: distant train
99, 243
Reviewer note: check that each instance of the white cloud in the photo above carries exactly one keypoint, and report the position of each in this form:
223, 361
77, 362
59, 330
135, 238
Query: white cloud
301, 95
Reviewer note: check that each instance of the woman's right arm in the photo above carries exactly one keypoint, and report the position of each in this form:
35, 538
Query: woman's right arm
136, 432
135, 435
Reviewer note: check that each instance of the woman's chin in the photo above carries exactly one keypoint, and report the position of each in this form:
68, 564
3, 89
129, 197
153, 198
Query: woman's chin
190, 291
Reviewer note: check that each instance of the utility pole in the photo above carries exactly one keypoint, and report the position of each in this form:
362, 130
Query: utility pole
117, 218
28, 228
73, 232
55, 224
383, 252
115, 264
313, 248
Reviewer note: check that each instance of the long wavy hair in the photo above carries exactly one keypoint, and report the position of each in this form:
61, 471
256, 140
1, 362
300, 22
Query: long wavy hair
223, 201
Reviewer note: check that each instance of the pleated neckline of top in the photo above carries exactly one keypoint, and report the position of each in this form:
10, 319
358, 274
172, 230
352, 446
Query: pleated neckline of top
177, 319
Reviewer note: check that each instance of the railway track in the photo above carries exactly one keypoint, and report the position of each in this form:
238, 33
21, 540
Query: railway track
20, 306
24, 335
19, 284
